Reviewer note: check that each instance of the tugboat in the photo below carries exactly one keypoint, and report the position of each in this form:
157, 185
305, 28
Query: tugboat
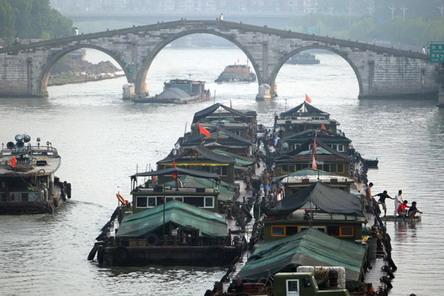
179, 91
236, 73
303, 58
27, 181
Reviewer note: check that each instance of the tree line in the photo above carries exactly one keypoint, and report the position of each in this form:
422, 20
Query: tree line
415, 32
31, 19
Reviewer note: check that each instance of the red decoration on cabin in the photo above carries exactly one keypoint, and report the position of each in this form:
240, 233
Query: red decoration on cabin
12, 162
308, 99
203, 131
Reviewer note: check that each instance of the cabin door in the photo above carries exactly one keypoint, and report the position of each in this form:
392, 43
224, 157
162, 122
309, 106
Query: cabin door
292, 288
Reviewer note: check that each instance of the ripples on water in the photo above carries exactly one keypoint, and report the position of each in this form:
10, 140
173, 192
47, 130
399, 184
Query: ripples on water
103, 140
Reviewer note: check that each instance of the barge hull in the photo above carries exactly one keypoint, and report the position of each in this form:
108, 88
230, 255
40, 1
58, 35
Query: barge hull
169, 255
25, 208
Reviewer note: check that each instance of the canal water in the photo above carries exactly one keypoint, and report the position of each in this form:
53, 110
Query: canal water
103, 140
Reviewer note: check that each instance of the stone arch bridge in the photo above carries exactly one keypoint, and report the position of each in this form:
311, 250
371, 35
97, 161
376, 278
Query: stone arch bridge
380, 71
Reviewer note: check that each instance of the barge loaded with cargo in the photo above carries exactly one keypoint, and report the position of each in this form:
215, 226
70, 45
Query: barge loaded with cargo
178, 91
284, 208
28, 184
236, 73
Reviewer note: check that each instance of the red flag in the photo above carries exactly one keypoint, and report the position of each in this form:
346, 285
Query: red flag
175, 173
203, 131
323, 128
12, 162
314, 165
308, 99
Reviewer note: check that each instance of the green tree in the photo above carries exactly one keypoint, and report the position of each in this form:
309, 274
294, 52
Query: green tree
7, 30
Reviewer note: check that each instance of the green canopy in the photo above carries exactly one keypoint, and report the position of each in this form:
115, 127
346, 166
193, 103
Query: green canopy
226, 190
310, 247
239, 161
144, 222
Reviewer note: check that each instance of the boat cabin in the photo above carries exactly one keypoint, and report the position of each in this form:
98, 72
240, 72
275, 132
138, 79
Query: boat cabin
240, 123
220, 139
336, 141
201, 159
304, 117
157, 190
295, 181
327, 160
330, 210
27, 181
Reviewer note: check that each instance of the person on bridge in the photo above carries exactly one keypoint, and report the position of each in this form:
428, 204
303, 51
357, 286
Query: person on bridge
382, 197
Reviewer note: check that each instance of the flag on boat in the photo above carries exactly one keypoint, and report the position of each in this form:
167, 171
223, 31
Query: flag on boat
203, 131
314, 165
174, 175
323, 128
308, 99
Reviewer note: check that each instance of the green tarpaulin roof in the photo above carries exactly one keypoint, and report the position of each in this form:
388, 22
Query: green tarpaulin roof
239, 161
308, 248
327, 199
144, 222
178, 171
226, 190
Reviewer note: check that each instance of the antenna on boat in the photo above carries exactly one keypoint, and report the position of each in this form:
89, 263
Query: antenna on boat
186, 125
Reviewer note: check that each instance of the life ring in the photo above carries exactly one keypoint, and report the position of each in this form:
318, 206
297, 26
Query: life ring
152, 239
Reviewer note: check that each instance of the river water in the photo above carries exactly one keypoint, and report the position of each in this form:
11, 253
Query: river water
103, 140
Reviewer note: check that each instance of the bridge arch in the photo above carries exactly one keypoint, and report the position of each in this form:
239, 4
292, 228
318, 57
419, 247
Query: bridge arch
140, 83
286, 57
54, 58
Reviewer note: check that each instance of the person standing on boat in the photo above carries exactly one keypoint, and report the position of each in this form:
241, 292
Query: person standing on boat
413, 210
398, 201
382, 197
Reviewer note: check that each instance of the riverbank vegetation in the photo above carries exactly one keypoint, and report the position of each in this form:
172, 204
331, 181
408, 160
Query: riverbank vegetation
31, 19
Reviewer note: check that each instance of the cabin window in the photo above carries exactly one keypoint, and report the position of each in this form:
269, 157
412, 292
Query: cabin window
305, 165
341, 148
334, 147
141, 202
284, 168
196, 201
3, 197
326, 167
346, 231
333, 230
298, 167
277, 231
291, 168
152, 202
292, 288
209, 202
25, 197
340, 168
291, 230
333, 167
